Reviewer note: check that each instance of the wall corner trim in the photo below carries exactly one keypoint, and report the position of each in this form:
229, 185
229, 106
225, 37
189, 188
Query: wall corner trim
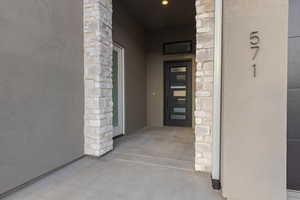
217, 96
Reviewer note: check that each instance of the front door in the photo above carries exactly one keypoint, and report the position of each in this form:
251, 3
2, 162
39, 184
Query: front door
178, 93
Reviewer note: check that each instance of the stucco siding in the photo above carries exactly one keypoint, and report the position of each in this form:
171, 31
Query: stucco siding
41, 89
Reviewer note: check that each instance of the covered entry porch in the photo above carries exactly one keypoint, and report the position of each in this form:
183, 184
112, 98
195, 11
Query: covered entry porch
163, 158
151, 164
56, 99
151, 73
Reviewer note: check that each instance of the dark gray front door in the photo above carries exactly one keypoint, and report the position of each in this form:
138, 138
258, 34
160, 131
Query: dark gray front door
178, 93
293, 173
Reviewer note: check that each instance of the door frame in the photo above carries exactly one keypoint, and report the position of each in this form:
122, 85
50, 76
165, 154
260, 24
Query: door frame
190, 89
121, 90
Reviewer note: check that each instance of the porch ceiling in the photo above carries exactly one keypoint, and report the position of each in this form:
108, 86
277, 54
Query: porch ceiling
154, 16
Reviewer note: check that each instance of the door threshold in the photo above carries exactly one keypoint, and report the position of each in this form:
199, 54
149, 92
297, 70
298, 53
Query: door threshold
118, 136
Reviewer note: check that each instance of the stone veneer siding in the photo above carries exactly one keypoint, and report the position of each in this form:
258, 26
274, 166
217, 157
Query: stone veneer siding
98, 46
204, 84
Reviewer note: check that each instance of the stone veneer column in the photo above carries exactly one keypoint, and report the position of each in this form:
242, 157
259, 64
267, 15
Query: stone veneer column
204, 84
98, 46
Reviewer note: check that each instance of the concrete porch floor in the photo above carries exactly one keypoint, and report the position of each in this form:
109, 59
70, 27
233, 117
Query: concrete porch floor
152, 164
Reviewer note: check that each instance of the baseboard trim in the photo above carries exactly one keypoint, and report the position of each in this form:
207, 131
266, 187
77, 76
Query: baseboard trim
34, 180
293, 195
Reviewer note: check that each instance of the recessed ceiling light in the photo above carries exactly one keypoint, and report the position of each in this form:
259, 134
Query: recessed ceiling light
165, 2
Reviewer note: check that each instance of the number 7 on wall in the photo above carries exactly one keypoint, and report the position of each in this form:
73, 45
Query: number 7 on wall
254, 43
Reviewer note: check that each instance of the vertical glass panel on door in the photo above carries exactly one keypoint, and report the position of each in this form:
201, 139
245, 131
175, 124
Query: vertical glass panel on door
180, 101
181, 77
115, 89
179, 110
178, 69
178, 117
179, 93
178, 87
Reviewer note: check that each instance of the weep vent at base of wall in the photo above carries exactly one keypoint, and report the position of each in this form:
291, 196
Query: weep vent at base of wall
204, 84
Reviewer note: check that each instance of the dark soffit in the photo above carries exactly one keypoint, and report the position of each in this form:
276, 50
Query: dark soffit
152, 15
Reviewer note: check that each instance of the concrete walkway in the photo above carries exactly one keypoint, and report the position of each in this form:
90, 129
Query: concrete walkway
153, 164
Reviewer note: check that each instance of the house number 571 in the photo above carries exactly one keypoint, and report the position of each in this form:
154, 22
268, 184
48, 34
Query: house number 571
255, 46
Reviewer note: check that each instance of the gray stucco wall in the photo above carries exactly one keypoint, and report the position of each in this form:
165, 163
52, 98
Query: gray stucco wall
254, 108
41, 87
128, 34
294, 96
155, 68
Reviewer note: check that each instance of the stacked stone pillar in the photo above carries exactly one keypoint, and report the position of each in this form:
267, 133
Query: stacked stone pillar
98, 46
204, 84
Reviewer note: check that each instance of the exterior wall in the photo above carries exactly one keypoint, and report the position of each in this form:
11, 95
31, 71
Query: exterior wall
41, 89
204, 84
155, 69
294, 97
130, 35
254, 108
98, 46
